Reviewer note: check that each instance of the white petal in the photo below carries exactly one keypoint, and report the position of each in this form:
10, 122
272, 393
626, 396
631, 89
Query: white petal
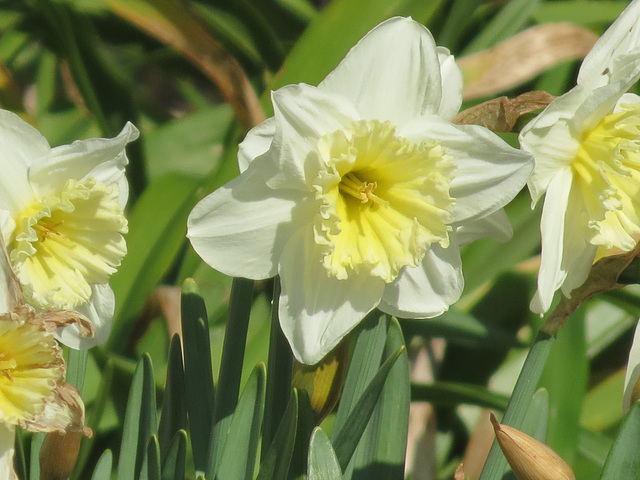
302, 115
626, 99
620, 38
256, 143
7, 453
429, 289
21, 145
496, 226
317, 311
99, 311
101, 158
564, 244
241, 228
391, 74
452, 84
632, 375
489, 172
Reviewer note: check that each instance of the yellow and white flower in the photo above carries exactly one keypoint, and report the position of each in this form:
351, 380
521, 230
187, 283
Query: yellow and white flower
62, 216
359, 191
586, 145
33, 395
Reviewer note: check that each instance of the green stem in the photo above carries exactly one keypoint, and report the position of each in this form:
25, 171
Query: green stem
518, 406
278, 376
228, 389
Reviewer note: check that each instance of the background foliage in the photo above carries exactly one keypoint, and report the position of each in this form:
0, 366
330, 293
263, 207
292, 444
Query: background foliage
193, 76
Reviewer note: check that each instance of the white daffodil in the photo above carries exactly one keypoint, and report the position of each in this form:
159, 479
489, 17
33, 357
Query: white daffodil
33, 395
586, 145
632, 376
62, 216
359, 191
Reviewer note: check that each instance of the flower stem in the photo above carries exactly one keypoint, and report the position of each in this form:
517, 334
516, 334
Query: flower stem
278, 375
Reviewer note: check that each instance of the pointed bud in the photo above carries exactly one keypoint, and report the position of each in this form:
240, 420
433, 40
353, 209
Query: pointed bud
58, 455
529, 458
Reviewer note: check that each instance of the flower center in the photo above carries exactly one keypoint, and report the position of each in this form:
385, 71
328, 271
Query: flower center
65, 243
383, 200
31, 366
607, 174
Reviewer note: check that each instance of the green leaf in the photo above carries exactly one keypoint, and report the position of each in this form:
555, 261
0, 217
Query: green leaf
151, 466
102, 471
460, 328
370, 337
323, 463
157, 227
241, 445
351, 431
623, 460
174, 409
230, 375
566, 387
454, 393
139, 421
275, 463
278, 375
198, 375
174, 462
34, 456
580, 12
77, 367
381, 451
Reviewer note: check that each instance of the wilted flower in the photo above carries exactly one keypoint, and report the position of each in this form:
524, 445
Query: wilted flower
62, 216
358, 192
33, 395
587, 149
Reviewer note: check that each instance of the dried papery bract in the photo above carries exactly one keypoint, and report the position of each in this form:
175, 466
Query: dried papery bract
529, 458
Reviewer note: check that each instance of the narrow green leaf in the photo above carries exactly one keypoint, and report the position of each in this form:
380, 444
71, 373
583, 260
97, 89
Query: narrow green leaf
238, 459
175, 460
34, 456
323, 463
370, 337
139, 421
235, 339
381, 451
567, 388
77, 367
278, 375
198, 375
275, 464
153, 241
581, 12
506, 23
351, 431
174, 409
623, 460
20, 461
520, 401
102, 471
151, 465
454, 393
460, 328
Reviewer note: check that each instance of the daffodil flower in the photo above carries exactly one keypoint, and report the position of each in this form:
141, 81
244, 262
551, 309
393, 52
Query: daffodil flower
33, 395
586, 145
62, 216
359, 191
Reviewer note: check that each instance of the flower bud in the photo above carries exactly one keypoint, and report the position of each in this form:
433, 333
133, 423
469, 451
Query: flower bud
58, 455
529, 458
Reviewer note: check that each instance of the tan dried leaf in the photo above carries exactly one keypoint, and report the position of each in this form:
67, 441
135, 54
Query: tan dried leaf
519, 58
459, 473
529, 458
501, 114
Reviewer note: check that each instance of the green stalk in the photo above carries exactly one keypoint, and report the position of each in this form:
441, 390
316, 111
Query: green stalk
278, 376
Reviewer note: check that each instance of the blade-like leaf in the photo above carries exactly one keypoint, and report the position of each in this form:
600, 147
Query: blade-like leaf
623, 460
139, 421
102, 471
241, 445
174, 409
151, 466
323, 463
174, 462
